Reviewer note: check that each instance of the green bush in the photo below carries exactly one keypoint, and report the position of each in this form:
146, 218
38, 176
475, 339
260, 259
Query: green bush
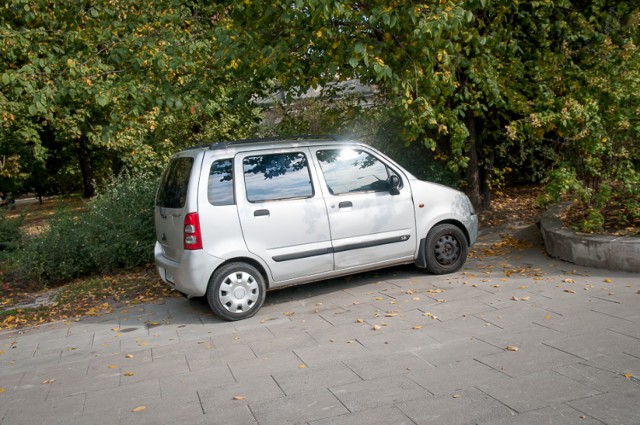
9, 232
115, 232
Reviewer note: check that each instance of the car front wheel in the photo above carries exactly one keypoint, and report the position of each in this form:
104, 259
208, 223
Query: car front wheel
236, 291
446, 249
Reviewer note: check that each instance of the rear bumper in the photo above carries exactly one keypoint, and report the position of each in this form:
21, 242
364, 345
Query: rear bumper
191, 274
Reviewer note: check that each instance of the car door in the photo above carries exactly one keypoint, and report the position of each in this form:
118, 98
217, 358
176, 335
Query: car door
282, 214
369, 225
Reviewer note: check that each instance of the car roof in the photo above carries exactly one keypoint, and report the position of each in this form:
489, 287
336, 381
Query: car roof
275, 143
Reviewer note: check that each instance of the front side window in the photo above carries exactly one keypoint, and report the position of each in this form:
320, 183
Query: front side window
349, 171
277, 176
220, 190
172, 192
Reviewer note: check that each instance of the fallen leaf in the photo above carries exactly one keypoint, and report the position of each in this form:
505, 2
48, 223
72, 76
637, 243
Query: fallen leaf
301, 366
511, 348
2, 390
129, 356
457, 396
48, 381
570, 291
112, 366
391, 314
429, 314
547, 317
568, 280
628, 375
525, 298
416, 298
359, 321
138, 409
608, 281
515, 299
409, 292
418, 327
378, 298
239, 397
128, 374
376, 327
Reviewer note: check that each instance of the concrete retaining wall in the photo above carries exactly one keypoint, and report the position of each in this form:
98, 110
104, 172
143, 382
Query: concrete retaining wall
606, 252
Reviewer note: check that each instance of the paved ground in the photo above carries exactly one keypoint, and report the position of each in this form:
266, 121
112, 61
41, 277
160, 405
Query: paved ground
516, 338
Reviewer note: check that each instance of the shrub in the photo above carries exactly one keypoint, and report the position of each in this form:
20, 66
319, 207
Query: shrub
9, 232
115, 232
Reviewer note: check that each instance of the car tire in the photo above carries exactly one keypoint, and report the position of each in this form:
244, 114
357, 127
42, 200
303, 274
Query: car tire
236, 291
446, 249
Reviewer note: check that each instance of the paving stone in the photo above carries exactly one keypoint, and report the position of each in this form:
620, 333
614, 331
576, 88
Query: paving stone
618, 363
283, 361
458, 308
453, 377
378, 392
537, 390
69, 386
222, 356
384, 415
183, 348
165, 366
629, 329
121, 397
559, 414
575, 324
517, 316
377, 366
312, 378
298, 408
175, 387
468, 407
618, 407
224, 396
530, 359
187, 411
522, 337
340, 349
30, 363
460, 329
456, 350
601, 380
597, 344
58, 408
398, 341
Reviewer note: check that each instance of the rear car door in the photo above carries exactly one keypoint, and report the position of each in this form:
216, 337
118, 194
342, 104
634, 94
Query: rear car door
369, 225
172, 203
282, 214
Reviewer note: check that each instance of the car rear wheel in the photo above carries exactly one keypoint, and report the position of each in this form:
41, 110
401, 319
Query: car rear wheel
236, 291
446, 249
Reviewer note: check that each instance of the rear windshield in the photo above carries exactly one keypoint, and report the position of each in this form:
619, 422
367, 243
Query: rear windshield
172, 192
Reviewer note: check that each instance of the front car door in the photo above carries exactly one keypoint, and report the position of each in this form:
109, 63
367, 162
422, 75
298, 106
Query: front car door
282, 214
369, 225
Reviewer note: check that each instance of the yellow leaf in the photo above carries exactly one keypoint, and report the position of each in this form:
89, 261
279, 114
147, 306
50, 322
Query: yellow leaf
2, 390
511, 348
628, 375
457, 396
409, 292
112, 366
48, 381
570, 291
378, 298
359, 321
524, 298
129, 374
129, 356
416, 298
608, 280
138, 409
568, 280
391, 314
515, 299
548, 316
239, 397
418, 327
301, 366
376, 327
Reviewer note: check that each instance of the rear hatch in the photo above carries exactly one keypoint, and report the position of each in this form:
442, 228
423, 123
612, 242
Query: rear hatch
173, 201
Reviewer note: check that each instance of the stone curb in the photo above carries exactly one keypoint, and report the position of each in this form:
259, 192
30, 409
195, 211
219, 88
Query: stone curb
600, 251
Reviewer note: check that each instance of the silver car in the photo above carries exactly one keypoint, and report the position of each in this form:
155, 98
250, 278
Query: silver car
236, 219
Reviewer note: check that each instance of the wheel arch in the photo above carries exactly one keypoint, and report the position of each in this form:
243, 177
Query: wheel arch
249, 261
421, 260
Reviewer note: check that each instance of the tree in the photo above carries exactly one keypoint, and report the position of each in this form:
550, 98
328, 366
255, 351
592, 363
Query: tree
97, 80
457, 73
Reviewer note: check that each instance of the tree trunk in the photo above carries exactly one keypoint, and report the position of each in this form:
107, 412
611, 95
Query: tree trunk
477, 178
86, 168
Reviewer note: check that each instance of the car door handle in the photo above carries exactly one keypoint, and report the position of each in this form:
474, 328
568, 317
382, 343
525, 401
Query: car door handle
261, 213
345, 204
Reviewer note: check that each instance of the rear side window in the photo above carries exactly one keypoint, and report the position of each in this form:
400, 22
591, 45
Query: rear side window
277, 176
220, 190
172, 192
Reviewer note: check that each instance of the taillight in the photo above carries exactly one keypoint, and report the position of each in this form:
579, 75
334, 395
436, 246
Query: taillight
192, 238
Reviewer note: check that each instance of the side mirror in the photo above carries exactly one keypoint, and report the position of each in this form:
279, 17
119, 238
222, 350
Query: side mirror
394, 185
